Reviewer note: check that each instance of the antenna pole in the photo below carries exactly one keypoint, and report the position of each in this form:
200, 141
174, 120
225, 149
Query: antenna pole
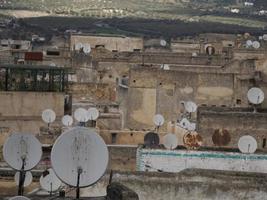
78, 183
51, 189
21, 178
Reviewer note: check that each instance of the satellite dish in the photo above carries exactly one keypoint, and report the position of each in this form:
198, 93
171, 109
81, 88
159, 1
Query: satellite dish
87, 48
93, 113
191, 127
52, 64
190, 106
249, 43
19, 147
264, 37
210, 50
151, 139
260, 38
194, 54
185, 123
48, 116
19, 198
27, 180
192, 140
81, 115
158, 120
170, 141
221, 137
163, 43
247, 144
49, 181
256, 45
78, 46
67, 120
255, 95
86, 155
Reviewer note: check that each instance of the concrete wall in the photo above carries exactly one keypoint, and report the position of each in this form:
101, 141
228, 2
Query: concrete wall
178, 160
237, 121
110, 43
21, 111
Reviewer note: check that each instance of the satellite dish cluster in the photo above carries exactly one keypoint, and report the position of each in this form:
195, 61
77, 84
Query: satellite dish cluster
253, 44
85, 48
79, 157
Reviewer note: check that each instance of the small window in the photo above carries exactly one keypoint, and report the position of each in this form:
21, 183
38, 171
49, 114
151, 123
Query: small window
53, 53
264, 143
238, 102
113, 138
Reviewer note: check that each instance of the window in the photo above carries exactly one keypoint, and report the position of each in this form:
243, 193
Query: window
113, 138
238, 102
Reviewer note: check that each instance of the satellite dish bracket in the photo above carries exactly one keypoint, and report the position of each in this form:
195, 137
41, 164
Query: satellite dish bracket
22, 174
79, 171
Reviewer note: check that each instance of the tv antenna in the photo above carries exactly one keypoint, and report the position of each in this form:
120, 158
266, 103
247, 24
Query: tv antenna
81, 115
255, 96
158, 120
67, 120
49, 181
22, 152
170, 141
247, 144
27, 180
48, 116
86, 155
151, 140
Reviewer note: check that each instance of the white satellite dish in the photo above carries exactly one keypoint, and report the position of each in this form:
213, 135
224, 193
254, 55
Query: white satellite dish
247, 144
19, 198
87, 48
256, 45
249, 43
78, 46
50, 182
27, 180
170, 141
163, 43
264, 37
255, 95
21, 147
190, 106
194, 54
48, 116
260, 38
185, 123
158, 120
52, 64
67, 120
93, 113
81, 115
79, 157
191, 126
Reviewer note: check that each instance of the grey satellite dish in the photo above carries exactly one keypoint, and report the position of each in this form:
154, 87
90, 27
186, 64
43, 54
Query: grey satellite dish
247, 144
264, 37
170, 141
260, 38
27, 180
48, 116
49, 181
67, 120
255, 96
87, 48
86, 155
194, 54
151, 140
256, 45
22, 152
249, 43
190, 106
78, 46
93, 113
81, 115
158, 120
19, 198
185, 123
163, 43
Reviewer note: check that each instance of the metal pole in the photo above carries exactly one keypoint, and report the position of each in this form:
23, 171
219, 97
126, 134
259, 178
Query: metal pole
21, 178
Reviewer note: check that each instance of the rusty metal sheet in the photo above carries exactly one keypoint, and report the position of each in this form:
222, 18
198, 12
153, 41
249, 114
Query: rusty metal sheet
221, 137
192, 140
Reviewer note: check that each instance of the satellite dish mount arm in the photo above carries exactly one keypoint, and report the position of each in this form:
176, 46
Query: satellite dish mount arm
21, 178
79, 171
